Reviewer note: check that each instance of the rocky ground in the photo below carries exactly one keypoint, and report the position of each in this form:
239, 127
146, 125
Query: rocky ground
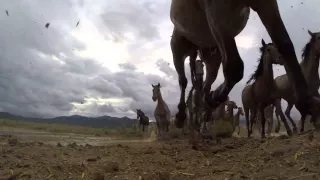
236, 158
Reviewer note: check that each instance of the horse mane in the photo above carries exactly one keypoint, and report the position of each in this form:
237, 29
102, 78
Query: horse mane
306, 50
141, 113
259, 69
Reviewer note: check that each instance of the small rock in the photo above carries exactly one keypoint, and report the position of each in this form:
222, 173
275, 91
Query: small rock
164, 175
98, 176
277, 153
73, 145
59, 144
119, 146
111, 166
88, 145
13, 141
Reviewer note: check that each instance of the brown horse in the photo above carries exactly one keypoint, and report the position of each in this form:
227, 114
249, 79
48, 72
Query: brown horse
143, 119
310, 70
209, 27
263, 87
231, 105
161, 113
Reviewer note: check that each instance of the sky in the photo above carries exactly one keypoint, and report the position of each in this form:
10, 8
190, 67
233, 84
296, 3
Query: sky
106, 64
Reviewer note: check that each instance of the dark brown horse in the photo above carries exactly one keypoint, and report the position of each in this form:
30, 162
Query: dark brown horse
263, 87
210, 26
143, 119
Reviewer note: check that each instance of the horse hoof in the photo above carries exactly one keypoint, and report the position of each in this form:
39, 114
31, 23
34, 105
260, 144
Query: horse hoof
290, 133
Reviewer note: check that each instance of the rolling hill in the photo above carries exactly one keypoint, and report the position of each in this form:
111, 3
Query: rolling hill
95, 122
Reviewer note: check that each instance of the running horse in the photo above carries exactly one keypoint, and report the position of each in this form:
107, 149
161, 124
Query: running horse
161, 113
208, 28
143, 119
310, 69
263, 88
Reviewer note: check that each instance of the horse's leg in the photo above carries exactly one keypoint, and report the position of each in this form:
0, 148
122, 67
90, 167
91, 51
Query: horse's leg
246, 114
231, 60
253, 115
158, 126
212, 61
303, 119
287, 112
180, 48
262, 118
232, 69
239, 129
258, 121
277, 104
142, 128
277, 129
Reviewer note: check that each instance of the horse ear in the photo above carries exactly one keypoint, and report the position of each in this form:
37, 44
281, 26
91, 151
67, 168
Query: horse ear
263, 43
152, 85
310, 33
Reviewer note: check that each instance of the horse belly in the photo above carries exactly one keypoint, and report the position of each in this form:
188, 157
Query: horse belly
191, 22
284, 88
190, 19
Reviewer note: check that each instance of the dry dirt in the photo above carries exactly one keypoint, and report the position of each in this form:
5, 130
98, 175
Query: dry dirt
236, 158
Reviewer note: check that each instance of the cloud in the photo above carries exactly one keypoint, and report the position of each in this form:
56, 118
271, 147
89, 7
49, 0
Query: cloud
128, 66
107, 64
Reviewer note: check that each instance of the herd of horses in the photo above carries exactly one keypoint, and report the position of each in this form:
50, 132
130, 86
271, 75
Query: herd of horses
260, 99
207, 28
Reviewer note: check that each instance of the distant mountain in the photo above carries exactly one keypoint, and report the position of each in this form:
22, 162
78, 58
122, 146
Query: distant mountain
95, 122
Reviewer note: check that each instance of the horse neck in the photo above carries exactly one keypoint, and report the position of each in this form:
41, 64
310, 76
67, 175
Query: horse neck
267, 74
310, 66
160, 99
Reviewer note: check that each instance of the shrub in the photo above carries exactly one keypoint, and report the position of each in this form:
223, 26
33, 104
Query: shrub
222, 128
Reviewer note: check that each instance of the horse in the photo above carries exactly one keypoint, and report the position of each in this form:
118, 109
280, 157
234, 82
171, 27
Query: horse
310, 70
236, 119
161, 113
262, 90
143, 119
208, 28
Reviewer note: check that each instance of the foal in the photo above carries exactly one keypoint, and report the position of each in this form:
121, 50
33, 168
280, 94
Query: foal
263, 87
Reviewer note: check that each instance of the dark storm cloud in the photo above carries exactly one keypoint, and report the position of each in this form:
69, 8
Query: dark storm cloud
39, 73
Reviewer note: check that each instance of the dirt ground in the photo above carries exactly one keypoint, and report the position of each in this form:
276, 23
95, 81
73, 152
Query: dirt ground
236, 158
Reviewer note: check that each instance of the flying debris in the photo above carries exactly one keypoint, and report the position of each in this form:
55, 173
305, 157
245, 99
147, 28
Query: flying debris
47, 25
7, 12
78, 23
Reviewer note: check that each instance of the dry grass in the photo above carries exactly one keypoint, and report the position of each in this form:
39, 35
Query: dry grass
61, 128
222, 128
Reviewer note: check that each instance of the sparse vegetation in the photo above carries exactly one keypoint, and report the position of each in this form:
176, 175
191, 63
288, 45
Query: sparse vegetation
222, 128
